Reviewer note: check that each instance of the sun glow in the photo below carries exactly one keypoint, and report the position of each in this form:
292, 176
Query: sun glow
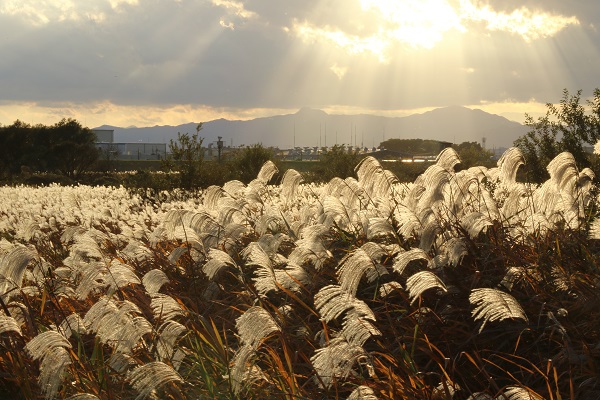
425, 24
411, 24
418, 24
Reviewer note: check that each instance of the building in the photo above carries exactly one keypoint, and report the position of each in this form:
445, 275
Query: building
111, 150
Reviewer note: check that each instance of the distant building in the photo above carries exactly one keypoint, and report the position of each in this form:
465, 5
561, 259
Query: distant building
127, 150
104, 135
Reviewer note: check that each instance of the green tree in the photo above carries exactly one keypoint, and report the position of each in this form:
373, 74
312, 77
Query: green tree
337, 162
247, 162
71, 148
567, 126
415, 147
186, 156
472, 154
65, 147
13, 147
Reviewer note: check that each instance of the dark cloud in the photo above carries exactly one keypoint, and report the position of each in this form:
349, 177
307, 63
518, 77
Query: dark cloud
196, 52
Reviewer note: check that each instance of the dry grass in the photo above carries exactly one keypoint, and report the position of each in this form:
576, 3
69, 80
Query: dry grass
316, 294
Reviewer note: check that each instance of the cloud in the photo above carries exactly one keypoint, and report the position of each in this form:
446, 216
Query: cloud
39, 13
528, 24
424, 24
151, 55
236, 8
353, 44
228, 25
339, 71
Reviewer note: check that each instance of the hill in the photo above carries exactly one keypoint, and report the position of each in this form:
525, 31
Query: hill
311, 127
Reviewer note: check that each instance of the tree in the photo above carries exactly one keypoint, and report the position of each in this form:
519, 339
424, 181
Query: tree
565, 127
246, 164
337, 162
71, 148
472, 154
186, 156
65, 147
415, 147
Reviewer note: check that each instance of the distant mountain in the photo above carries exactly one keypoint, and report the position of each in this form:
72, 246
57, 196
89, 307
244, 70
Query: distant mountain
311, 127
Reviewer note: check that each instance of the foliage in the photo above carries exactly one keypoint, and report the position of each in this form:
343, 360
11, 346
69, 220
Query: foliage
336, 162
460, 284
65, 147
247, 162
186, 156
472, 154
406, 172
565, 127
415, 146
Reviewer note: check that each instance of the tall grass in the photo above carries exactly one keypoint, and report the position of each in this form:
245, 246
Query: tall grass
458, 285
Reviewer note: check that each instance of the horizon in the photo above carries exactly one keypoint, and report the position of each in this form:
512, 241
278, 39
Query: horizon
380, 114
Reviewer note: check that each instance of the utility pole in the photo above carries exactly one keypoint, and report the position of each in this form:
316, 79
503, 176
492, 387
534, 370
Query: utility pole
219, 147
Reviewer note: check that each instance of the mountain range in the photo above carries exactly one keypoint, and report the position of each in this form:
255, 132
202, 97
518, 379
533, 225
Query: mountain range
312, 127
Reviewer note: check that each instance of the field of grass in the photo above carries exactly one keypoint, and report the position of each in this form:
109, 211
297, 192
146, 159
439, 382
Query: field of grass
459, 285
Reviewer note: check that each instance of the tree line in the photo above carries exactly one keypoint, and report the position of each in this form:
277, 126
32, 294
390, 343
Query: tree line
571, 126
65, 148
68, 148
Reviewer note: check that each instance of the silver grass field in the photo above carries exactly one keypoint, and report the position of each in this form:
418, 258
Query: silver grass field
460, 285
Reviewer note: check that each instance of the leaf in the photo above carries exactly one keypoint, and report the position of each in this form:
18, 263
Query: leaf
519, 393
508, 164
563, 170
362, 393
332, 301
289, 185
169, 333
165, 307
9, 324
422, 281
336, 360
475, 222
255, 325
495, 305
83, 396
217, 261
50, 348
147, 378
153, 280
352, 268
267, 171
403, 259
447, 159
12, 269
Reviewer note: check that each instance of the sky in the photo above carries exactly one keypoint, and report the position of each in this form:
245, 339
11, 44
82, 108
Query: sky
167, 62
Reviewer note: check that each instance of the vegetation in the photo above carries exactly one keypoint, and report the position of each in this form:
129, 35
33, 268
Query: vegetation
472, 154
336, 162
567, 126
186, 156
458, 285
415, 147
66, 148
246, 163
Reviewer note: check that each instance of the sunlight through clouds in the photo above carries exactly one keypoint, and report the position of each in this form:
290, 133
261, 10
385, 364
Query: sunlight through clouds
528, 24
235, 7
130, 62
339, 71
353, 44
424, 24
41, 13
418, 24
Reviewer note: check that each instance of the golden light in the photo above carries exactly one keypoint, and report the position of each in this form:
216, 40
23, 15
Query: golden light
528, 24
415, 23
424, 24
